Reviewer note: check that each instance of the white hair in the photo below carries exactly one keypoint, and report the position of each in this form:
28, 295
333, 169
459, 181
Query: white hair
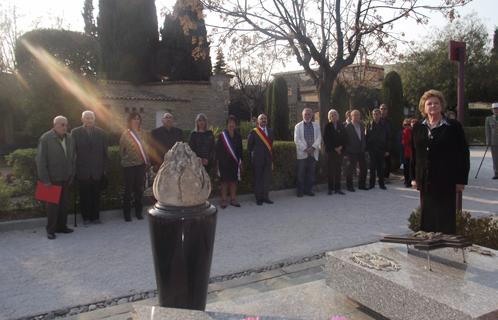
59, 119
199, 117
331, 112
87, 112
167, 114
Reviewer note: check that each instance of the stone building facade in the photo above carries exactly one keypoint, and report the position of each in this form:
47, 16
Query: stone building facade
302, 92
183, 99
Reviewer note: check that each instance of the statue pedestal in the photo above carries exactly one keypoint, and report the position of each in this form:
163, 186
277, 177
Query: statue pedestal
182, 246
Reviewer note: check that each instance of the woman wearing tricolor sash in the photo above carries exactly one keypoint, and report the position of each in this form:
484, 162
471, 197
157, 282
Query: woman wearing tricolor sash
135, 161
229, 160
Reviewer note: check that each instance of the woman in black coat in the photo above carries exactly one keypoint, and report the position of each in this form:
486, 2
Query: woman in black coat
201, 141
335, 139
440, 164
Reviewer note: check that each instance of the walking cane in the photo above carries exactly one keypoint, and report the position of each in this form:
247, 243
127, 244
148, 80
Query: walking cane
484, 156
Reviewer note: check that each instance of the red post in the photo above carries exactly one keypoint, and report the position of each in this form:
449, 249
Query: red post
457, 53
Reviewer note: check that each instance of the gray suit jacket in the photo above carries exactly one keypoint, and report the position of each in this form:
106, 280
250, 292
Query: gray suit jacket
491, 128
91, 153
52, 163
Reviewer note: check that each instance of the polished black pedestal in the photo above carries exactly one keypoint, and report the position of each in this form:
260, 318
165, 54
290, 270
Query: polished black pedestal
182, 245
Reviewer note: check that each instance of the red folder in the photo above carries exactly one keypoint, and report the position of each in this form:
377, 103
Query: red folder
50, 194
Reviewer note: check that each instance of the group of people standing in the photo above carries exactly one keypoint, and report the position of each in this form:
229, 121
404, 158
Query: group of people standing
435, 152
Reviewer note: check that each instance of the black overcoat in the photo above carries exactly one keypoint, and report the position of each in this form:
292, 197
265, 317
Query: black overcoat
440, 161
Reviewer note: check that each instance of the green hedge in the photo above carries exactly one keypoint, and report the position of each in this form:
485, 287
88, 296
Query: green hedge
23, 164
482, 231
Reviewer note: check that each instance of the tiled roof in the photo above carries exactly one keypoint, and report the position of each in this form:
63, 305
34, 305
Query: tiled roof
143, 95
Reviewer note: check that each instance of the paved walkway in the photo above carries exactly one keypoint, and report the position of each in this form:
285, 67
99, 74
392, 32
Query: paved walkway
114, 259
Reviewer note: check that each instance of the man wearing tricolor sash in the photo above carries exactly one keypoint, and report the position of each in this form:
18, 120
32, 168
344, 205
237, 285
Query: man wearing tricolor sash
259, 145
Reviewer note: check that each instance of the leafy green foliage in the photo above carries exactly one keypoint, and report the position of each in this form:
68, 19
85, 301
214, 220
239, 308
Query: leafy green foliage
184, 49
482, 231
128, 39
430, 68
340, 100
43, 98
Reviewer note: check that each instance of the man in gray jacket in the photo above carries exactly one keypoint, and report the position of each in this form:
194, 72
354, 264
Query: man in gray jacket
492, 136
55, 165
90, 146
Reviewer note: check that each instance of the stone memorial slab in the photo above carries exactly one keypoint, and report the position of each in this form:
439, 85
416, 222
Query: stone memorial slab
159, 313
397, 284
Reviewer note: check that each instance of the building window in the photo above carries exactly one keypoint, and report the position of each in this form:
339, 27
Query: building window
141, 110
127, 110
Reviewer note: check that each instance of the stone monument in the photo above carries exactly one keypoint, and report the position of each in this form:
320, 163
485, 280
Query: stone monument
182, 229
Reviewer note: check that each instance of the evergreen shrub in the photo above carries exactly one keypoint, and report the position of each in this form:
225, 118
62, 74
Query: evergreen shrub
482, 231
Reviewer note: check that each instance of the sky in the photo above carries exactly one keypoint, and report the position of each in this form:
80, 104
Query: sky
67, 13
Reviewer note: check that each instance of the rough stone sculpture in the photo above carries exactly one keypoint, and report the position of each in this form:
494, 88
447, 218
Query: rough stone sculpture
181, 180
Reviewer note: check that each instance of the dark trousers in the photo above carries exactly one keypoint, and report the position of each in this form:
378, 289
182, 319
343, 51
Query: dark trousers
134, 179
438, 211
305, 175
406, 171
262, 180
334, 170
356, 159
376, 167
89, 199
57, 213
387, 165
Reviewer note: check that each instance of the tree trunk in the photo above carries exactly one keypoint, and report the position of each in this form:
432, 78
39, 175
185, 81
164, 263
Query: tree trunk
324, 94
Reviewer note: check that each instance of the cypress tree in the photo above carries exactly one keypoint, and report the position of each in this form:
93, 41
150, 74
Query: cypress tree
340, 101
184, 49
392, 92
87, 13
220, 67
128, 39
279, 111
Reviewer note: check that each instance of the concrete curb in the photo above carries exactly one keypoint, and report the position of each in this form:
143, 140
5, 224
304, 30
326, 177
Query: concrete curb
16, 225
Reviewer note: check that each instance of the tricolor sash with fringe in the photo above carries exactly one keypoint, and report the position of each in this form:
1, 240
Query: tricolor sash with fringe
227, 143
262, 135
138, 143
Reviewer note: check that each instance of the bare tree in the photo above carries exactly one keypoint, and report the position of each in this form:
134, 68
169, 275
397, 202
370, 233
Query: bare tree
9, 32
252, 74
324, 35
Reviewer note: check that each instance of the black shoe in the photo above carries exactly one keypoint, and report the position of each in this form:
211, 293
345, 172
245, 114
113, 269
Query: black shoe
267, 201
350, 189
363, 188
495, 177
140, 217
51, 236
259, 202
311, 194
383, 187
330, 192
65, 230
235, 204
127, 219
339, 192
299, 195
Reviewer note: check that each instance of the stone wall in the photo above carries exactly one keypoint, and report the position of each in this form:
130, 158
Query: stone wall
183, 99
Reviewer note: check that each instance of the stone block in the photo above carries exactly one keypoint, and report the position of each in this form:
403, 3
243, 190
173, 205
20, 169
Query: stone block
453, 290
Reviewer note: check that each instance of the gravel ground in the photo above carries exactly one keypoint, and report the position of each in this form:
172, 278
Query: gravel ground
102, 262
